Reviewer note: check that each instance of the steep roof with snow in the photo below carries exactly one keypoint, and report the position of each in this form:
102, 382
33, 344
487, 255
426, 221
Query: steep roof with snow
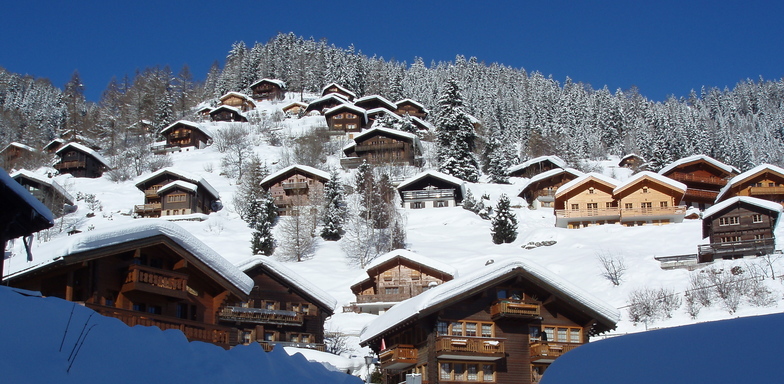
440, 296
20, 146
766, 204
186, 176
188, 124
279, 83
290, 278
128, 232
739, 179
695, 158
606, 180
86, 150
413, 257
376, 97
551, 173
23, 173
406, 136
421, 123
432, 173
341, 88
557, 161
414, 103
226, 107
297, 167
236, 94
663, 180
39, 217
178, 184
342, 107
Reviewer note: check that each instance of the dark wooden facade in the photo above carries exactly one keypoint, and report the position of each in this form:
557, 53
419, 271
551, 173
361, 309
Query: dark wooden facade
16, 155
337, 89
375, 101
226, 113
238, 100
346, 118
47, 191
763, 181
268, 89
703, 176
635, 162
412, 108
168, 192
293, 186
80, 161
384, 146
326, 103
738, 227
536, 166
540, 192
185, 134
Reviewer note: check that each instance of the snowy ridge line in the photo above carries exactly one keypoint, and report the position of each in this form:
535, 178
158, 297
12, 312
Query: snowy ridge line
19, 190
554, 159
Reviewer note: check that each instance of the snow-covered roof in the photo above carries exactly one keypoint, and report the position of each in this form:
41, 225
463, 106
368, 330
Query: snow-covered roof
128, 232
378, 110
235, 94
229, 107
766, 204
28, 198
291, 278
431, 300
553, 172
294, 103
376, 97
387, 131
414, 257
423, 123
415, 103
629, 156
609, 181
432, 173
85, 149
695, 158
44, 180
190, 124
279, 83
353, 108
342, 89
676, 185
330, 96
178, 183
192, 178
747, 175
553, 159
55, 141
302, 168
19, 145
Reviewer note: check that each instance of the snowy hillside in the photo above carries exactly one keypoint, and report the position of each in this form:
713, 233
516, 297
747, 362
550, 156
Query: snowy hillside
451, 235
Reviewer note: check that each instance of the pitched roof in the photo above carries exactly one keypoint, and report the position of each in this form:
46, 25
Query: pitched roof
178, 183
415, 103
19, 145
342, 89
553, 172
454, 290
23, 173
664, 180
747, 175
376, 97
38, 218
766, 204
190, 124
236, 94
297, 167
432, 173
414, 257
553, 159
187, 176
695, 158
228, 107
610, 182
290, 278
87, 150
279, 83
629, 156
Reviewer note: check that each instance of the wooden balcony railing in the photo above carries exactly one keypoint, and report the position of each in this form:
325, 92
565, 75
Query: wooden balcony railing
755, 191
398, 357
550, 351
739, 248
692, 194
70, 164
270, 345
653, 211
379, 147
261, 316
687, 177
578, 213
514, 309
193, 330
428, 194
154, 280
469, 345
297, 185
152, 192
408, 292
147, 208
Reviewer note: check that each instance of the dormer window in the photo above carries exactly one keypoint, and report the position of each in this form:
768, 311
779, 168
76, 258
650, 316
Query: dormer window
590, 191
644, 189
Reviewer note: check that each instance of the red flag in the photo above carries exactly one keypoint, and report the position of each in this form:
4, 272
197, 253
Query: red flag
383, 345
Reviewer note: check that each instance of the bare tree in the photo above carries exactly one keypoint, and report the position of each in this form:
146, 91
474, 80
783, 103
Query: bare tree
336, 342
234, 144
297, 232
647, 305
613, 266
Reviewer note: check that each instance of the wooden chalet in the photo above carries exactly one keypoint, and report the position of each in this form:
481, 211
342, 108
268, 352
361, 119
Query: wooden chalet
375, 101
764, 181
148, 272
268, 90
346, 118
396, 276
80, 161
238, 100
184, 134
650, 198
226, 113
536, 166
22, 215
540, 190
383, 146
282, 309
294, 108
412, 108
170, 192
16, 155
739, 226
47, 191
632, 161
704, 177
504, 323
431, 189
292, 187
54, 145
585, 201
337, 89
322, 104
204, 112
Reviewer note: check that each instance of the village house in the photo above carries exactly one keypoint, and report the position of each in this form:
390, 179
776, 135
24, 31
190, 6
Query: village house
412, 108
204, 113
293, 186
185, 134
70, 136
171, 192
632, 161
431, 189
377, 113
268, 90
739, 226
322, 104
375, 101
346, 118
383, 146
396, 276
540, 190
237, 100
504, 323
54, 145
704, 177
585, 201
282, 309
650, 198
334, 88
536, 166
47, 191
16, 155
764, 181
227, 113
294, 108
80, 161
146, 272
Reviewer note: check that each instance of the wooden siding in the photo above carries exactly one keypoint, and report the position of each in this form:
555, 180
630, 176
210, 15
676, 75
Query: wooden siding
734, 232
294, 191
185, 136
267, 91
346, 122
766, 185
380, 149
79, 164
542, 192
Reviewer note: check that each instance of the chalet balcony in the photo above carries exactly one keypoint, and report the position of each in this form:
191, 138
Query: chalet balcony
398, 357
268, 346
147, 209
688, 178
261, 316
708, 252
544, 352
700, 195
193, 330
469, 348
70, 164
379, 147
653, 212
757, 191
297, 185
427, 194
157, 281
391, 297
151, 193
512, 309
588, 213
351, 162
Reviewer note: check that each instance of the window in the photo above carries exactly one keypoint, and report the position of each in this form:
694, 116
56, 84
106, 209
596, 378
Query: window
351, 116
663, 204
646, 205
269, 305
269, 336
644, 189
729, 220
182, 311
756, 218
351, 126
470, 329
442, 328
593, 206
628, 206
471, 372
388, 275
338, 116
559, 334
575, 207
440, 203
417, 205
487, 330
464, 329
140, 307
457, 329
730, 239
245, 337
488, 372
176, 198
391, 290
591, 191
466, 371
446, 371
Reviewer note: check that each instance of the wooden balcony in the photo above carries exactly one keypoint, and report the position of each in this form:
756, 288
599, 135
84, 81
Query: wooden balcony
151, 193
261, 316
147, 209
268, 346
544, 352
759, 191
426, 194
614, 212
379, 147
469, 348
70, 164
736, 249
652, 212
408, 292
700, 195
298, 185
512, 309
157, 281
688, 178
193, 330
398, 357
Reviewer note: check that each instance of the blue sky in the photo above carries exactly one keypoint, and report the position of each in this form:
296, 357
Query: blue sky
663, 47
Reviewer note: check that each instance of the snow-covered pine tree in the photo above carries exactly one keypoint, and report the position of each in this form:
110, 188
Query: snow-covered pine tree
334, 213
499, 155
261, 217
455, 136
504, 222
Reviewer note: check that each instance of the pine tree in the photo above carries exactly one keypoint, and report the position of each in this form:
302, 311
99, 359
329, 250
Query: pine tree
261, 217
504, 222
455, 136
335, 211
